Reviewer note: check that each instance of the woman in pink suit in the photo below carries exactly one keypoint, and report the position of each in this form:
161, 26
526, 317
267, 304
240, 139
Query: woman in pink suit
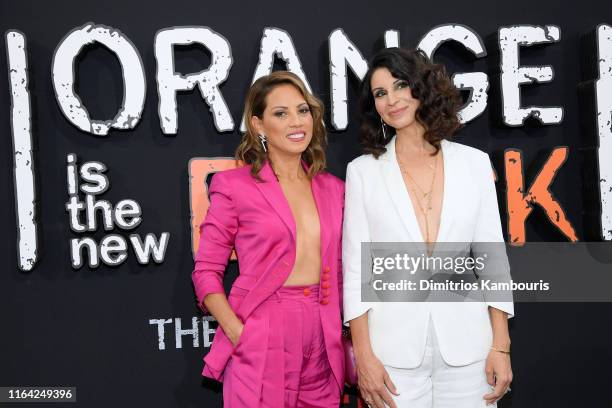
279, 338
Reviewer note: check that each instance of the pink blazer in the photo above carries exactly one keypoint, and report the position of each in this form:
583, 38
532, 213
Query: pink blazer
254, 218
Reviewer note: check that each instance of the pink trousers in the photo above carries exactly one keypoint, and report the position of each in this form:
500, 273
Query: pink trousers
306, 374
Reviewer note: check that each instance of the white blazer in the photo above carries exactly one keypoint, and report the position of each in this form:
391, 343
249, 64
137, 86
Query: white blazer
378, 209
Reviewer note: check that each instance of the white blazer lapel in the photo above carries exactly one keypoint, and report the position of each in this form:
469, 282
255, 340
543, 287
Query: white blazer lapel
452, 191
392, 177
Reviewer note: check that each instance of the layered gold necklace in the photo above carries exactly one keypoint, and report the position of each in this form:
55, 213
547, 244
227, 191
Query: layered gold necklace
423, 198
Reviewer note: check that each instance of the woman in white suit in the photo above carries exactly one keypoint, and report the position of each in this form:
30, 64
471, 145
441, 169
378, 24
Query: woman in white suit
413, 185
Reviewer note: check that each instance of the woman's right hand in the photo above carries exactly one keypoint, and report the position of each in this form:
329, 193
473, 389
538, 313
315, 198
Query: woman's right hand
218, 306
234, 332
374, 381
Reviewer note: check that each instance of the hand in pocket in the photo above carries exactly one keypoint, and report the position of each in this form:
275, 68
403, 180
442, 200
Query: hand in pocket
235, 333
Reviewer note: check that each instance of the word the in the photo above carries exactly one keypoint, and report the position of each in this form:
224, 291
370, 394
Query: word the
207, 332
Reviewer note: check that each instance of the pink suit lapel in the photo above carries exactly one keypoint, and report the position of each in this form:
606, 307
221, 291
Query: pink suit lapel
321, 197
273, 193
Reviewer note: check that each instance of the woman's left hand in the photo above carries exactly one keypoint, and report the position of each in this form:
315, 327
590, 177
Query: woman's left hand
499, 375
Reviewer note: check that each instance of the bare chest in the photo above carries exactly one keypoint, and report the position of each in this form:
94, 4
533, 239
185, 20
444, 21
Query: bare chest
303, 207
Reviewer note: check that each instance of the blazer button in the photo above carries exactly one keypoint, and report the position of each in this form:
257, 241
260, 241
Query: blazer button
306, 291
325, 276
325, 285
326, 292
324, 301
327, 269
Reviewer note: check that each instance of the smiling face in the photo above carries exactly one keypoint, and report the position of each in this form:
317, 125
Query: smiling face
286, 121
393, 100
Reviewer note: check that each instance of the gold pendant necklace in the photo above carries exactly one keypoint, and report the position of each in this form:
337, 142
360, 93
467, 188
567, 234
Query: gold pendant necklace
427, 195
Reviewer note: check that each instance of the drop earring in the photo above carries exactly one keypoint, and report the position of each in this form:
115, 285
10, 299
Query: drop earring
263, 140
382, 125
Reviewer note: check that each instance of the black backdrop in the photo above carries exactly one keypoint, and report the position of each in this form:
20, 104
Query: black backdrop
90, 328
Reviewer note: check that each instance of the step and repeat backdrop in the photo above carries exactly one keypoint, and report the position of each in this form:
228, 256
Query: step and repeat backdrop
115, 114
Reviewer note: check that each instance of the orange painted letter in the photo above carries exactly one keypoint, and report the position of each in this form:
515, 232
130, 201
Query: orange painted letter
520, 204
199, 169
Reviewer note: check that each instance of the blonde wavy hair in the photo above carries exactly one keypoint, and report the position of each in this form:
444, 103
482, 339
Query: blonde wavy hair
250, 150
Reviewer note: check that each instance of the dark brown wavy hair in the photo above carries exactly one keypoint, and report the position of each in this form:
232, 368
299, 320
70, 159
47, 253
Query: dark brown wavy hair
428, 82
250, 149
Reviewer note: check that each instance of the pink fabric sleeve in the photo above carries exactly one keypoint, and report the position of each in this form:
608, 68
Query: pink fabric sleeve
217, 234
340, 276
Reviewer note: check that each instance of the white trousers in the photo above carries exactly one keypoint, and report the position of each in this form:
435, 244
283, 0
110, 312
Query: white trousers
435, 384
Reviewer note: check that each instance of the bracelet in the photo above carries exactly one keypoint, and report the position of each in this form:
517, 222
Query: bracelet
500, 350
